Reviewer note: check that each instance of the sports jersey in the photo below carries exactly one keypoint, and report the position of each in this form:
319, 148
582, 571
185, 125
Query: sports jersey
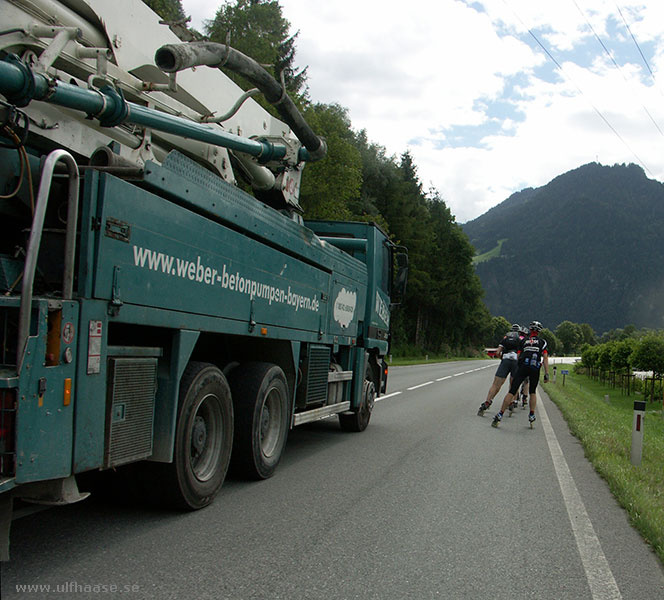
531, 352
510, 344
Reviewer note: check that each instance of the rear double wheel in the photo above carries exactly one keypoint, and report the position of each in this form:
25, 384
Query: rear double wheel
262, 418
203, 438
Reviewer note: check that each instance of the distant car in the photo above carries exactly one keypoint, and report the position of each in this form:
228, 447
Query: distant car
492, 352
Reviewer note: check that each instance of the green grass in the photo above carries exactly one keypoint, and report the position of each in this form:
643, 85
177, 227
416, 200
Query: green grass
605, 431
494, 253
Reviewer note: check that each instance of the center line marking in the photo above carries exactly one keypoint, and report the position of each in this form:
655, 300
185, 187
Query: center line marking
387, 396
419, 386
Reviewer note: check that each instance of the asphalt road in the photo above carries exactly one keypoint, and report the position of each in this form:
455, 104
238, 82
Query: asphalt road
428, 502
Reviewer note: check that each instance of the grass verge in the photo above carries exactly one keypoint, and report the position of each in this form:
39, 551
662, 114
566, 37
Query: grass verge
605, 431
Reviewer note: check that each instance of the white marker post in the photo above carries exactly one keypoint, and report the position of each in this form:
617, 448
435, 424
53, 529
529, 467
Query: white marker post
637, 432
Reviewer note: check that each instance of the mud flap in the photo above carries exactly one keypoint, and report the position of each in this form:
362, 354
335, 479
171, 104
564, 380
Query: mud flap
6, 503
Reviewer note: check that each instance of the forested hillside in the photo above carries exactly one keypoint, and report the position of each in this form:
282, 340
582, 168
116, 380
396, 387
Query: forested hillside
443, 309
586, 247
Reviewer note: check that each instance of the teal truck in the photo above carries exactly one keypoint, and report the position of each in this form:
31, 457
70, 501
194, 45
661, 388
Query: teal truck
154, 315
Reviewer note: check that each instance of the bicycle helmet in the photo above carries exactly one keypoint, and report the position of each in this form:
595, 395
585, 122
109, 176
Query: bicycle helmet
535, 326
524, 331
516, 327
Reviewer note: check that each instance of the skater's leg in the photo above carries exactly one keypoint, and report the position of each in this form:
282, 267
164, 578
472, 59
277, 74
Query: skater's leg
507, 401
494, 389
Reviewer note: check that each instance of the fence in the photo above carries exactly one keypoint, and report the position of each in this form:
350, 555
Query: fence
629, 383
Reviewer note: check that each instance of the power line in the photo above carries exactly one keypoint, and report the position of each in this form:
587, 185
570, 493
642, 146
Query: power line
613, 60
576, 85
645, 60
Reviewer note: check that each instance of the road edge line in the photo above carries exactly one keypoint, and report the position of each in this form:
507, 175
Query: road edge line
600, 578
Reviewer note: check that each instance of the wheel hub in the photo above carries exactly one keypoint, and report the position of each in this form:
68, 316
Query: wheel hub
265, 421
199, 434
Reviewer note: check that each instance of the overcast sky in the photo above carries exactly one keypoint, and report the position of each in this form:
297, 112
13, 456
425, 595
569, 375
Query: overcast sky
468, 88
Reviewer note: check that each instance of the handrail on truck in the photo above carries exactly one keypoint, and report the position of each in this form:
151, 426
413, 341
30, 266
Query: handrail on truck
35, 240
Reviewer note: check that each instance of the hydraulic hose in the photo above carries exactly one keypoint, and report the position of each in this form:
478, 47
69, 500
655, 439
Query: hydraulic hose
176, 57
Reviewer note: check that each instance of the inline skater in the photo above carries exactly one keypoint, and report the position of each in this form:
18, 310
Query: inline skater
523, 332
523, 394
532, 354
507, 352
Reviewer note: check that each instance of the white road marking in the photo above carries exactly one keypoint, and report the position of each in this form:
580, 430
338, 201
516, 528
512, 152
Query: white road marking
457, 374
387, 396
444, 378
602, 584
419, 386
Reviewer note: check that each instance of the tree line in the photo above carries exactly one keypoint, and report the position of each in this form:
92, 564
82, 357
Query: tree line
621, 356
619, 351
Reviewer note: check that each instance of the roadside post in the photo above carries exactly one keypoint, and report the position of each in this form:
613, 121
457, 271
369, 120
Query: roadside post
637, 432
555, 372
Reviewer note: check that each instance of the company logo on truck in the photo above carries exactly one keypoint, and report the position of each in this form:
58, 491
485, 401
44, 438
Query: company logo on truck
344, 307
382, 309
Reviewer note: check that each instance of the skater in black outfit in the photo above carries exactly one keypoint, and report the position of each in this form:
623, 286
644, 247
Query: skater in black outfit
523, 394
507, 352
532, 354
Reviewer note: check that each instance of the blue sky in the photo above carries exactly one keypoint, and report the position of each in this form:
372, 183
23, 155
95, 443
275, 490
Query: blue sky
466, 88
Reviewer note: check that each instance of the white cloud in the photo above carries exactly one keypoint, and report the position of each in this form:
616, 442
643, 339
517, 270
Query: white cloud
200, 11
489, 111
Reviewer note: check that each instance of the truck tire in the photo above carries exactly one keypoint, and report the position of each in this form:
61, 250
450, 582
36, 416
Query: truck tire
359, 420
262, 418
203, 437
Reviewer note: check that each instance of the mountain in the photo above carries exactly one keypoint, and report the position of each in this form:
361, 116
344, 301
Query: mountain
587, 247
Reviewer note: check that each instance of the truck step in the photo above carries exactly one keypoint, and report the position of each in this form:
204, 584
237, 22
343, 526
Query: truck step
320, 413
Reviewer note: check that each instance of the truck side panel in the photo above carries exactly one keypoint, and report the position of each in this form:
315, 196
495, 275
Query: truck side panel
46, 416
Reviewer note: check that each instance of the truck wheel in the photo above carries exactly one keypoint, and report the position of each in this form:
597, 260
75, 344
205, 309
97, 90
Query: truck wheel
260, 403
203, 436
359, 421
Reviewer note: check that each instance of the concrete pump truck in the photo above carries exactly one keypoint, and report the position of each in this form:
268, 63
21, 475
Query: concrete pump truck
151, 311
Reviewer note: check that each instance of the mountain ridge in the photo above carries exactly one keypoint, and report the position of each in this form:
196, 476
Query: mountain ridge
585, 247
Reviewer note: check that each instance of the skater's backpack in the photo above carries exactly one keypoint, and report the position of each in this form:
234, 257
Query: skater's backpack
511, 341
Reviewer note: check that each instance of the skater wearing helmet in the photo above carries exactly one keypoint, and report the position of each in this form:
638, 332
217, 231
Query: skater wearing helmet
507, 352
523, 393
532, 354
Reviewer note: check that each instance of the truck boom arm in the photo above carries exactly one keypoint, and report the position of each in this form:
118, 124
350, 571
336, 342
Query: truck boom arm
21, 86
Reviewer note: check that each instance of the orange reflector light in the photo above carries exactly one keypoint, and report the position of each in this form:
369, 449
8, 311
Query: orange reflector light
263, 330
66, 400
